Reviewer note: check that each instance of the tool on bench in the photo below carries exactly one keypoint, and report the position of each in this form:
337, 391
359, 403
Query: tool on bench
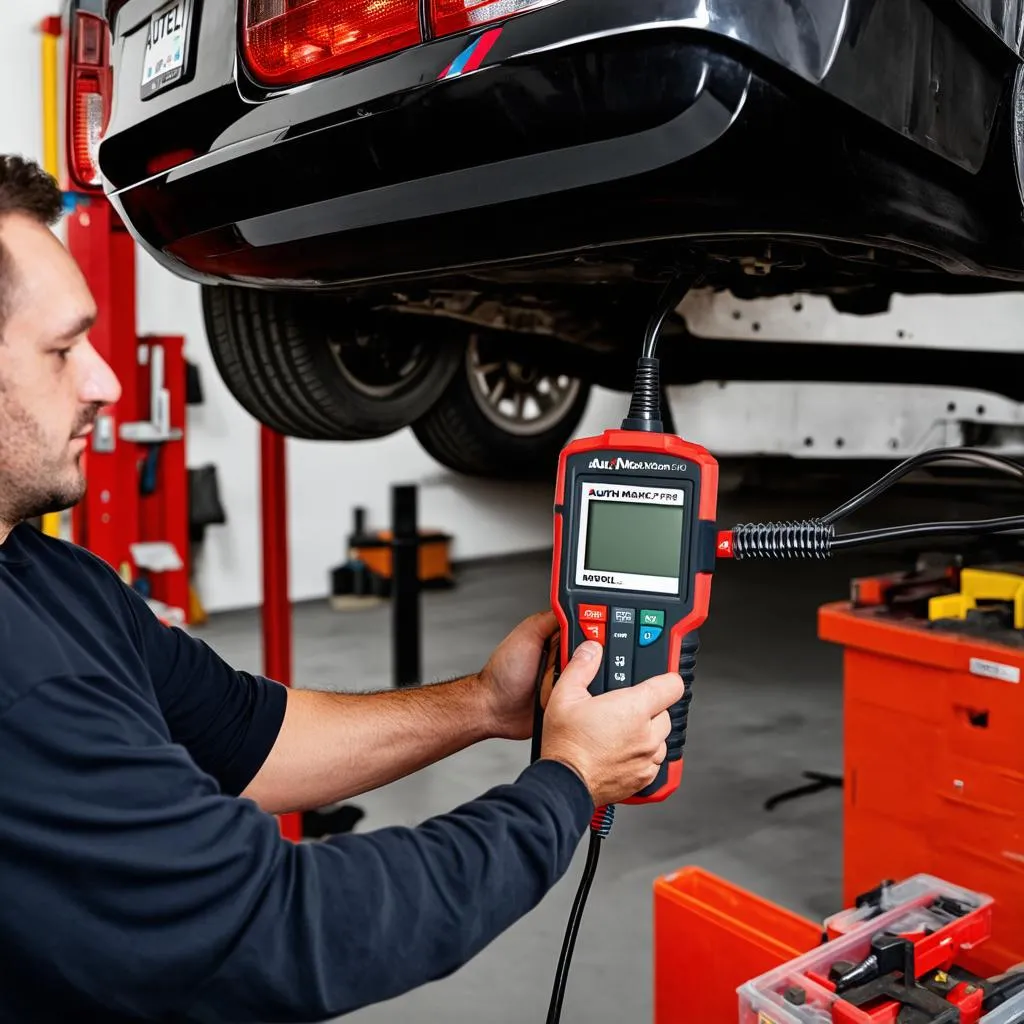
635, 547
891, 960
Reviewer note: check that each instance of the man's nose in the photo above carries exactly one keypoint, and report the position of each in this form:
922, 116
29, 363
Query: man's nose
99, 383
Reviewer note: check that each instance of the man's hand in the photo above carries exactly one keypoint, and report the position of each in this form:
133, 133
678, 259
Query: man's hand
508, 679
616, 741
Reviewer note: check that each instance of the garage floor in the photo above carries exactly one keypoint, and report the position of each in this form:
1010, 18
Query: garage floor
767, 706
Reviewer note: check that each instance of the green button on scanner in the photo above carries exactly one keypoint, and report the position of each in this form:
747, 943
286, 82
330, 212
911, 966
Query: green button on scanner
651, 618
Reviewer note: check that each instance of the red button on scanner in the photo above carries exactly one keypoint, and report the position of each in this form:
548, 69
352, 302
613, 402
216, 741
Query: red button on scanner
593, 613
594, 631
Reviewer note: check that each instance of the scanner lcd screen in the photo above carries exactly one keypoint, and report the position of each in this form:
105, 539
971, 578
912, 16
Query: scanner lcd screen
638, 539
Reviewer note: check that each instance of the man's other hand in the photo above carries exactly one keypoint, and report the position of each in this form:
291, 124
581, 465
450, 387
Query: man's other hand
508, 679
617, 741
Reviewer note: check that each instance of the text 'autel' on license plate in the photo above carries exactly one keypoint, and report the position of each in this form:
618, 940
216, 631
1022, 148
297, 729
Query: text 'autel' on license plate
167, 40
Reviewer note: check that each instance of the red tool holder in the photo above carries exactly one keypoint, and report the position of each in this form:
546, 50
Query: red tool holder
164, 507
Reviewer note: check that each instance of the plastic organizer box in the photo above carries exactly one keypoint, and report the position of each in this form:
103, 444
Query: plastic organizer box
939, 918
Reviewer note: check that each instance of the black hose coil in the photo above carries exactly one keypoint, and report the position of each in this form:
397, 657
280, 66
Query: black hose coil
808, 538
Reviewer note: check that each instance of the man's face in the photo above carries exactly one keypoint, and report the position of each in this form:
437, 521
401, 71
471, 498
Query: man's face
53, 383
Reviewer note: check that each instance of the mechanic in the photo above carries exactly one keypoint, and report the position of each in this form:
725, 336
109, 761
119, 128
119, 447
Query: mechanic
142, 873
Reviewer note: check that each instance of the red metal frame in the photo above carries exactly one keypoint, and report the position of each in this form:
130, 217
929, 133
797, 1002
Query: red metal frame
107, 521
277, 608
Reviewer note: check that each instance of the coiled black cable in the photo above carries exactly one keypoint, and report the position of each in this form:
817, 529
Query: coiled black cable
816, 538
809, 538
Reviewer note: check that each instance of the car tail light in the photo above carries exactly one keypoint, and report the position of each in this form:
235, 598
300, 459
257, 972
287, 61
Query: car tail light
448, 16
291, 41
89, 90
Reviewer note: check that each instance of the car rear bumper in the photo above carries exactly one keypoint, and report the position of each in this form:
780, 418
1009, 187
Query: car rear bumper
426, 186
589, 125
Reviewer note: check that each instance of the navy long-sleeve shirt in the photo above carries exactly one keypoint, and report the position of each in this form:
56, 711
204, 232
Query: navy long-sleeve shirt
136, 884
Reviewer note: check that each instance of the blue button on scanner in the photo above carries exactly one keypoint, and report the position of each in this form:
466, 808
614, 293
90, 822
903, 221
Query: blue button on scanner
649, 635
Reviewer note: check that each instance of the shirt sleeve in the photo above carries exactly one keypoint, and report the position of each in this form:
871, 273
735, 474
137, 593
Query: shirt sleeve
134, 887
228, 720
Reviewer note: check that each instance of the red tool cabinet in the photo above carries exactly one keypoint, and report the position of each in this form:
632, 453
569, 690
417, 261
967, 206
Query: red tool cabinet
934, 762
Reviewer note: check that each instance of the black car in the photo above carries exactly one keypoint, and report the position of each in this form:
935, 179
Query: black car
457, 214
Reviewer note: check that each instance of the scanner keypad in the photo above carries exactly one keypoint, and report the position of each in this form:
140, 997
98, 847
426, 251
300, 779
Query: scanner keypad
621, 631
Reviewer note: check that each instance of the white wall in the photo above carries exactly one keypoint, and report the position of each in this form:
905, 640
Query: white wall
326, 480
21, 127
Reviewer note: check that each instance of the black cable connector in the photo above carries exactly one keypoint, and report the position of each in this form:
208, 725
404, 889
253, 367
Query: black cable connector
645, 407
816, 538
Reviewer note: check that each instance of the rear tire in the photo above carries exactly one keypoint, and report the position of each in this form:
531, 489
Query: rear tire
317, 369
477, 434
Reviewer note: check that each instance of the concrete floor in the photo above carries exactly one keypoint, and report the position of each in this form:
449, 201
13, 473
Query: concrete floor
767, 706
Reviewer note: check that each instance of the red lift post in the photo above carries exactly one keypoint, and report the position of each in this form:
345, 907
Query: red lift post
138, 477
277, 608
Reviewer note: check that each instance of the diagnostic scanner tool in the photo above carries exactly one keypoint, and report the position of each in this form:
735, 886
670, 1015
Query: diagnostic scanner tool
634, 551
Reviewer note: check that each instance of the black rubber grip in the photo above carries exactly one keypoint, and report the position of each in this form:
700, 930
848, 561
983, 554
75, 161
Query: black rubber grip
680, 711
547, 655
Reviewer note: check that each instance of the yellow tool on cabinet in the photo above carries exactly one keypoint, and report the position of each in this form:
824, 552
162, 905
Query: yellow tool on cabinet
981, 585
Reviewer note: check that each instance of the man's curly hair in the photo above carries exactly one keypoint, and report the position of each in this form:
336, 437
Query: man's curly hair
24, 188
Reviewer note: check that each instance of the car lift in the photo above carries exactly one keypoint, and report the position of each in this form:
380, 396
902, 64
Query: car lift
136, 512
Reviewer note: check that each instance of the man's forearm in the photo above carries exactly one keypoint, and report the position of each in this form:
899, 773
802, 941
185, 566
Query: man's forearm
333, 746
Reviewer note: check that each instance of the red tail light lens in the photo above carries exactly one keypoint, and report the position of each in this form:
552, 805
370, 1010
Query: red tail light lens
89, 91
291, 41
448, 16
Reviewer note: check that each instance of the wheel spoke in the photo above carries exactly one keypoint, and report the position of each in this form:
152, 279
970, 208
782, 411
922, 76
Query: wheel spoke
495, 396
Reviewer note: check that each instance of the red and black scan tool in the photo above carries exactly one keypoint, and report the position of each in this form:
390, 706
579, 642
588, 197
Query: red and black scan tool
634, 551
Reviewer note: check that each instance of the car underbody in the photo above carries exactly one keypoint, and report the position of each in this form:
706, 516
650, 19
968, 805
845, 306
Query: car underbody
420, 238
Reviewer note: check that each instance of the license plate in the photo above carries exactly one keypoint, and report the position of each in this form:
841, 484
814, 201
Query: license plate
167, 47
